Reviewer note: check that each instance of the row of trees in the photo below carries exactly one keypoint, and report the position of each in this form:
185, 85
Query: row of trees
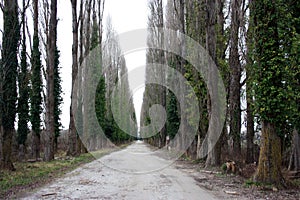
22, 83
254, 45
98, 68
30, 82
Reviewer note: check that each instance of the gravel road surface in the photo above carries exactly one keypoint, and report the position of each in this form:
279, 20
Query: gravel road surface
132, 173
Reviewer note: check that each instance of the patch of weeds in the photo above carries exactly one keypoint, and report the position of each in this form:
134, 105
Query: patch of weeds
250, 183
296, 183
100, 153
224, 167
259, 185
221, 175
198, 161
185, 157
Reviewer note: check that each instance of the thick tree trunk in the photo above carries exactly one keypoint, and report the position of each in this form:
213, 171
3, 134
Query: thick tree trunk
36, 91
250, 128
235, 77
249, 95
269, 164
79, 114
181, 68
6, 162
8, 74
72, 135
221, 56
214, 156
294, 164
23, 107
22, 153
50, 125
36, 143
162, 73
86, 98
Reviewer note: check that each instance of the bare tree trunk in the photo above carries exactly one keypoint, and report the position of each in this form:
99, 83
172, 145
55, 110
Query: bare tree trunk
73, 107
268, 170
79, 114
249, 96
250, 127
100, 22
235, 77
8, 74
86, 97
221, 56
6, 162
294, 164
35, 146
214, 156
162, 73
181, 68
51, 45
101, 138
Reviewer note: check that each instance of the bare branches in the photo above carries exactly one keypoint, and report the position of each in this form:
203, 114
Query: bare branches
25, 7
1, 6
100, 18
29, 35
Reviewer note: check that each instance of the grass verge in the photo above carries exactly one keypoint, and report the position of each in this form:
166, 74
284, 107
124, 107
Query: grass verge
32, 175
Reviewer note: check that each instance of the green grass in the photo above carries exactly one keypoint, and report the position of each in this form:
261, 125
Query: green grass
296, 182
37, 173
250, 183
265, 186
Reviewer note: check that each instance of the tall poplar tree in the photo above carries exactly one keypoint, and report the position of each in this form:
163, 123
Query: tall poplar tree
23, 79
294, 163
8, 76
235, 78
57, 98
72, 134
51, 48
36, 85
272, 79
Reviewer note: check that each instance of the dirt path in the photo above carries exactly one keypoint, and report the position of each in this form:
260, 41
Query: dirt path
132, 173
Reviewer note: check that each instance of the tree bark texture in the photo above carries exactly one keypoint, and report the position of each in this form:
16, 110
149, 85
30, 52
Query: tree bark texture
214, 156
51, 45
235, 76
8, 74
35, 147
73, 108
294, 164
268, 170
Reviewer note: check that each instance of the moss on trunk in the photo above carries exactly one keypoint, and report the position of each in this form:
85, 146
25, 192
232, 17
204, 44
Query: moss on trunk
269, 166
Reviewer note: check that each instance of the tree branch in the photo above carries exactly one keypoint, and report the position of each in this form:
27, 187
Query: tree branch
1, 6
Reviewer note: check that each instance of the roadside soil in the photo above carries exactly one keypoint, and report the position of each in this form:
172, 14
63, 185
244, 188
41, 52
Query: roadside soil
231, 186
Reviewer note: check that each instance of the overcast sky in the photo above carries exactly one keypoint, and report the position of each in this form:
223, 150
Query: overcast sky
126, 16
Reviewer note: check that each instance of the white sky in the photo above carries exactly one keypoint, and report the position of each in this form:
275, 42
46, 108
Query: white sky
126, 16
